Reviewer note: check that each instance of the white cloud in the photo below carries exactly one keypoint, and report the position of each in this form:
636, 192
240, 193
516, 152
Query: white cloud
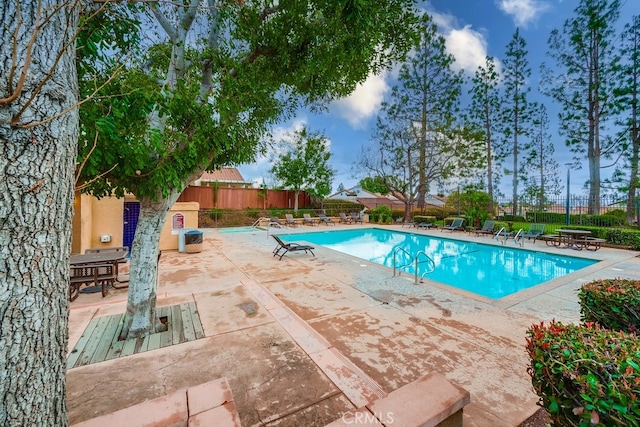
364, 102
523, 11
467, 45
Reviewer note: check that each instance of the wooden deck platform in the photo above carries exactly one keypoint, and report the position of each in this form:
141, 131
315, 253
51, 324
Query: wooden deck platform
99, 342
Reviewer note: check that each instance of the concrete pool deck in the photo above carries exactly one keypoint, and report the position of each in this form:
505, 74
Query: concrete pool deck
274, 329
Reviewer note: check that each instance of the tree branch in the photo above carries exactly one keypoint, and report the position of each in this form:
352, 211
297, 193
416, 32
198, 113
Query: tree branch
163, 21
257, 52
46, 78
27, 58
76, 105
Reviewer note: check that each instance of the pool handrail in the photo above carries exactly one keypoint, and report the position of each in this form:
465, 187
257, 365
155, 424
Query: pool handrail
497, 235
395, 250
260, 220
417, 261
519, 238
414, 260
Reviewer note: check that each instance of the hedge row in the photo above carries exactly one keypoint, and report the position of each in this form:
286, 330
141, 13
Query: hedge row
618, 236
585, 375
588, 374
612, 303
614, 218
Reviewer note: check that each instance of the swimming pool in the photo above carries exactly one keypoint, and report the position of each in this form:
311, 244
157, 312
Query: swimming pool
245, 229
488, 270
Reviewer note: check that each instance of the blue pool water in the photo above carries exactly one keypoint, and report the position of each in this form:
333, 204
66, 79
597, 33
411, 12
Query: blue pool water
491, 271
228, 230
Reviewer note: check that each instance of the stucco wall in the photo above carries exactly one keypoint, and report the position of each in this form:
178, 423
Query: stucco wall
169, 236
93, 218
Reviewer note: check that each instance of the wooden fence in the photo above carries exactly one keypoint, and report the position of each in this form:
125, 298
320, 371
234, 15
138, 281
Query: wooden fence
242, 198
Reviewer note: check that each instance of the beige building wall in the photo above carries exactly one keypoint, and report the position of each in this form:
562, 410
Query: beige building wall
169, 236
93, 218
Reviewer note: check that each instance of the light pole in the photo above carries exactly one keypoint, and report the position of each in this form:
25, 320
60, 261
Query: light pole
568, 207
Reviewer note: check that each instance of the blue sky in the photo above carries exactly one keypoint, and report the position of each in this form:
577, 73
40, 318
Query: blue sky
472, 30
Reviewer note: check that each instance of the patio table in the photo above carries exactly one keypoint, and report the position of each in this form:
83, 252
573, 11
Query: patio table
97, 258
575, 239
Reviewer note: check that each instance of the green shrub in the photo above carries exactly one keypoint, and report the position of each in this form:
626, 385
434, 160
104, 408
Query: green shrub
612, 303
500, 224
381, 214
333, 207
613, 218
424, 218
512, 218
585, 375
397, 214
215, 214
438, 213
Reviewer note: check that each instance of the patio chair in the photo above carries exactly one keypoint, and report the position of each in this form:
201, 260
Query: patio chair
344, 219
535, 231
356, 217
306, 218
282, 247
326, 219
456, 224
487, 228
290, 221
408, 223
275, 222
426, 225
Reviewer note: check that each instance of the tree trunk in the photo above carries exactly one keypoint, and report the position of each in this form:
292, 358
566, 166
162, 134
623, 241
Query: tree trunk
37, 162
141, 318
295, 202
635, 157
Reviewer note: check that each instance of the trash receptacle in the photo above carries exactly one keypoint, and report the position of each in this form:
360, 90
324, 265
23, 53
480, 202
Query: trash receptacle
193, 241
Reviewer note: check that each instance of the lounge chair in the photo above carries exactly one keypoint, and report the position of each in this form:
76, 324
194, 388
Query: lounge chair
426, 225
275, 222
283, 247
535, 231
290, 221
487, 228
326, 219
456, 224
408, 223
345, 219
306, 218
356, 217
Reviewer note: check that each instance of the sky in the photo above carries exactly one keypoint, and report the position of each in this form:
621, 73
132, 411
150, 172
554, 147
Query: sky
472, 29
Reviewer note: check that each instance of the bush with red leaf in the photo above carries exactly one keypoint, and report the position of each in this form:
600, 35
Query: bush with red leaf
612, 303
585, 375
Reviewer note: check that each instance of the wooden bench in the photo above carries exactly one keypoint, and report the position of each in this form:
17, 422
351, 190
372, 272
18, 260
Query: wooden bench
592, 243
124, 249
91, 274
551, 239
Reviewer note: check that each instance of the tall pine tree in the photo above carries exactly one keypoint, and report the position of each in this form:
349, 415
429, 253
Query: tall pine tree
516, 109
485, 112
583, 81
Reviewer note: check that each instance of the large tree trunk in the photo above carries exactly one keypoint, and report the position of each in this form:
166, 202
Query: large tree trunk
141, 318
37, 161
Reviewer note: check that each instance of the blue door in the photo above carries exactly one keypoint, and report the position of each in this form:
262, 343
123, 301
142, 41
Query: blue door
130, 222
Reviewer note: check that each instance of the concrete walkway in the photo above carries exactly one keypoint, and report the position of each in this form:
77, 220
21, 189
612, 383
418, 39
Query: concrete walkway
305, 340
